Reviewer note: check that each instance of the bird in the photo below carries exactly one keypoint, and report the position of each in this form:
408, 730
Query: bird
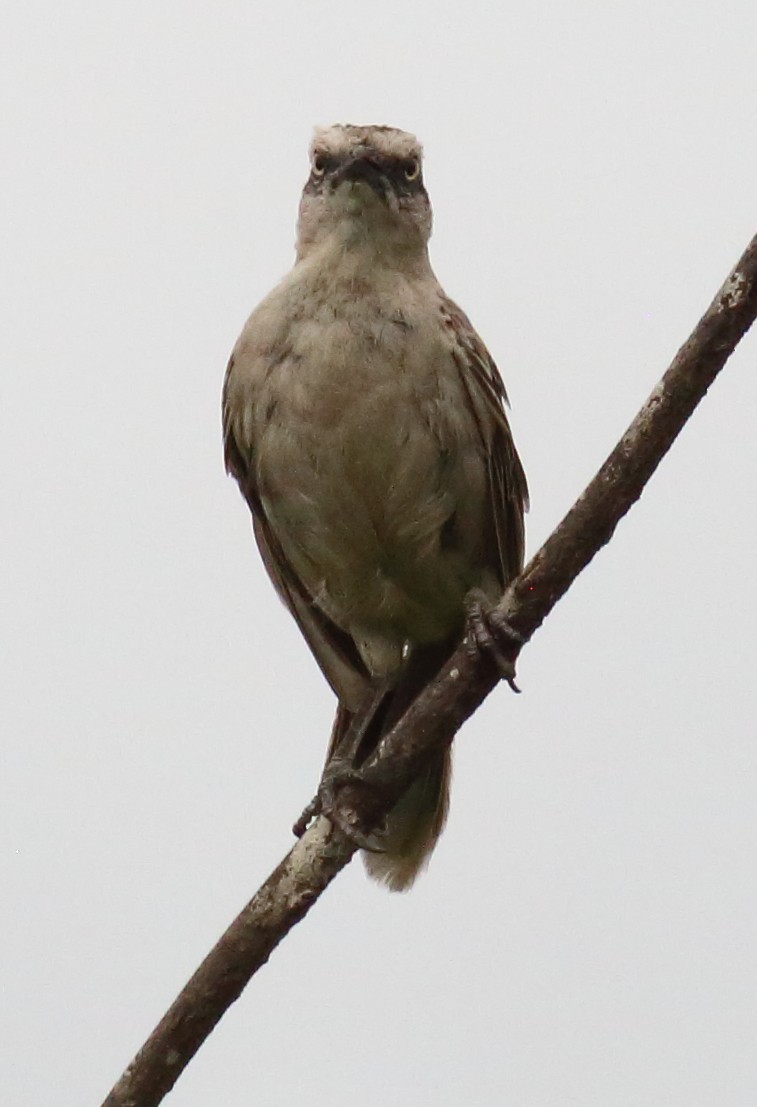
365, 423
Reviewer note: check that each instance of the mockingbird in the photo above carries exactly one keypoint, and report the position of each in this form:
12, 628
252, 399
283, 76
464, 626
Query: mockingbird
364, 420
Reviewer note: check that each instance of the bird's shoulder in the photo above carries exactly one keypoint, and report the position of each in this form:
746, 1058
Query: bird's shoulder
476, 365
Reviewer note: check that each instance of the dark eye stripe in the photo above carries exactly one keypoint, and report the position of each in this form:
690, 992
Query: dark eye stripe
397, 173
325, 163
396, 170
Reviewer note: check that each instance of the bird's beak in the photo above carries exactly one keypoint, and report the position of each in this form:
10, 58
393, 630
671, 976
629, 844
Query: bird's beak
366, 169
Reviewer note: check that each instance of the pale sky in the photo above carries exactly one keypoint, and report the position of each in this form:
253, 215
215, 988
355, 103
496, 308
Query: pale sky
587, 931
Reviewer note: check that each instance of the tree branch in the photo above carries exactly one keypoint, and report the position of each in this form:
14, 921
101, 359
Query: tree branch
461, 686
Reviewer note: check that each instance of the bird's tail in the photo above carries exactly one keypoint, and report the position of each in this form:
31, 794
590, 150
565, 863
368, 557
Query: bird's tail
413, 825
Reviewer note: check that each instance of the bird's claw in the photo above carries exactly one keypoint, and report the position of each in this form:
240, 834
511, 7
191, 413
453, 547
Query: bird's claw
490, 633
327, 801
310, 812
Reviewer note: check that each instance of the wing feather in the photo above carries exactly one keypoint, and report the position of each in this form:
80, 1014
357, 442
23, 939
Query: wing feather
487, 398
333, 648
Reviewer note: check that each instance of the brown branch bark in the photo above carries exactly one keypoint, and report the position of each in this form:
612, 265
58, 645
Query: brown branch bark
465, 681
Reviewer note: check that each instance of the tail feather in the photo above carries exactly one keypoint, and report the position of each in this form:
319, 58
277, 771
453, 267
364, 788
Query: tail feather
415, 822
413, 827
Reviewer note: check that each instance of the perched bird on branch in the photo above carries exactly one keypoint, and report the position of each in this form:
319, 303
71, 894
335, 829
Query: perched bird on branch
364, 421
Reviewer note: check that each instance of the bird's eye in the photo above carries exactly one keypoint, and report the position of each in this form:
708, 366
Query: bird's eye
412, 169
319, 165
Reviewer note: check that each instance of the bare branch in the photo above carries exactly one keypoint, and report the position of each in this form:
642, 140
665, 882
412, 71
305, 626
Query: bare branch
464, 682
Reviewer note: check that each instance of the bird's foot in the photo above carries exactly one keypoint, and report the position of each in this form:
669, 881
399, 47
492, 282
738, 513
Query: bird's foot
332, 799
490, 633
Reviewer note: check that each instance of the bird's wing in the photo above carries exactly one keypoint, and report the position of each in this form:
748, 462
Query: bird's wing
487, 398
333, 648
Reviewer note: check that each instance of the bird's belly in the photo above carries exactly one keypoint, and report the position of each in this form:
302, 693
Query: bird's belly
359, 498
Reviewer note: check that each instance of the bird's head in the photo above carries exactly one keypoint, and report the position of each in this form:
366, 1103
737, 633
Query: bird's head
365, 188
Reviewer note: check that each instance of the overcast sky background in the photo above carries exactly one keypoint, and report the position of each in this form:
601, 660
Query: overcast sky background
586, 933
